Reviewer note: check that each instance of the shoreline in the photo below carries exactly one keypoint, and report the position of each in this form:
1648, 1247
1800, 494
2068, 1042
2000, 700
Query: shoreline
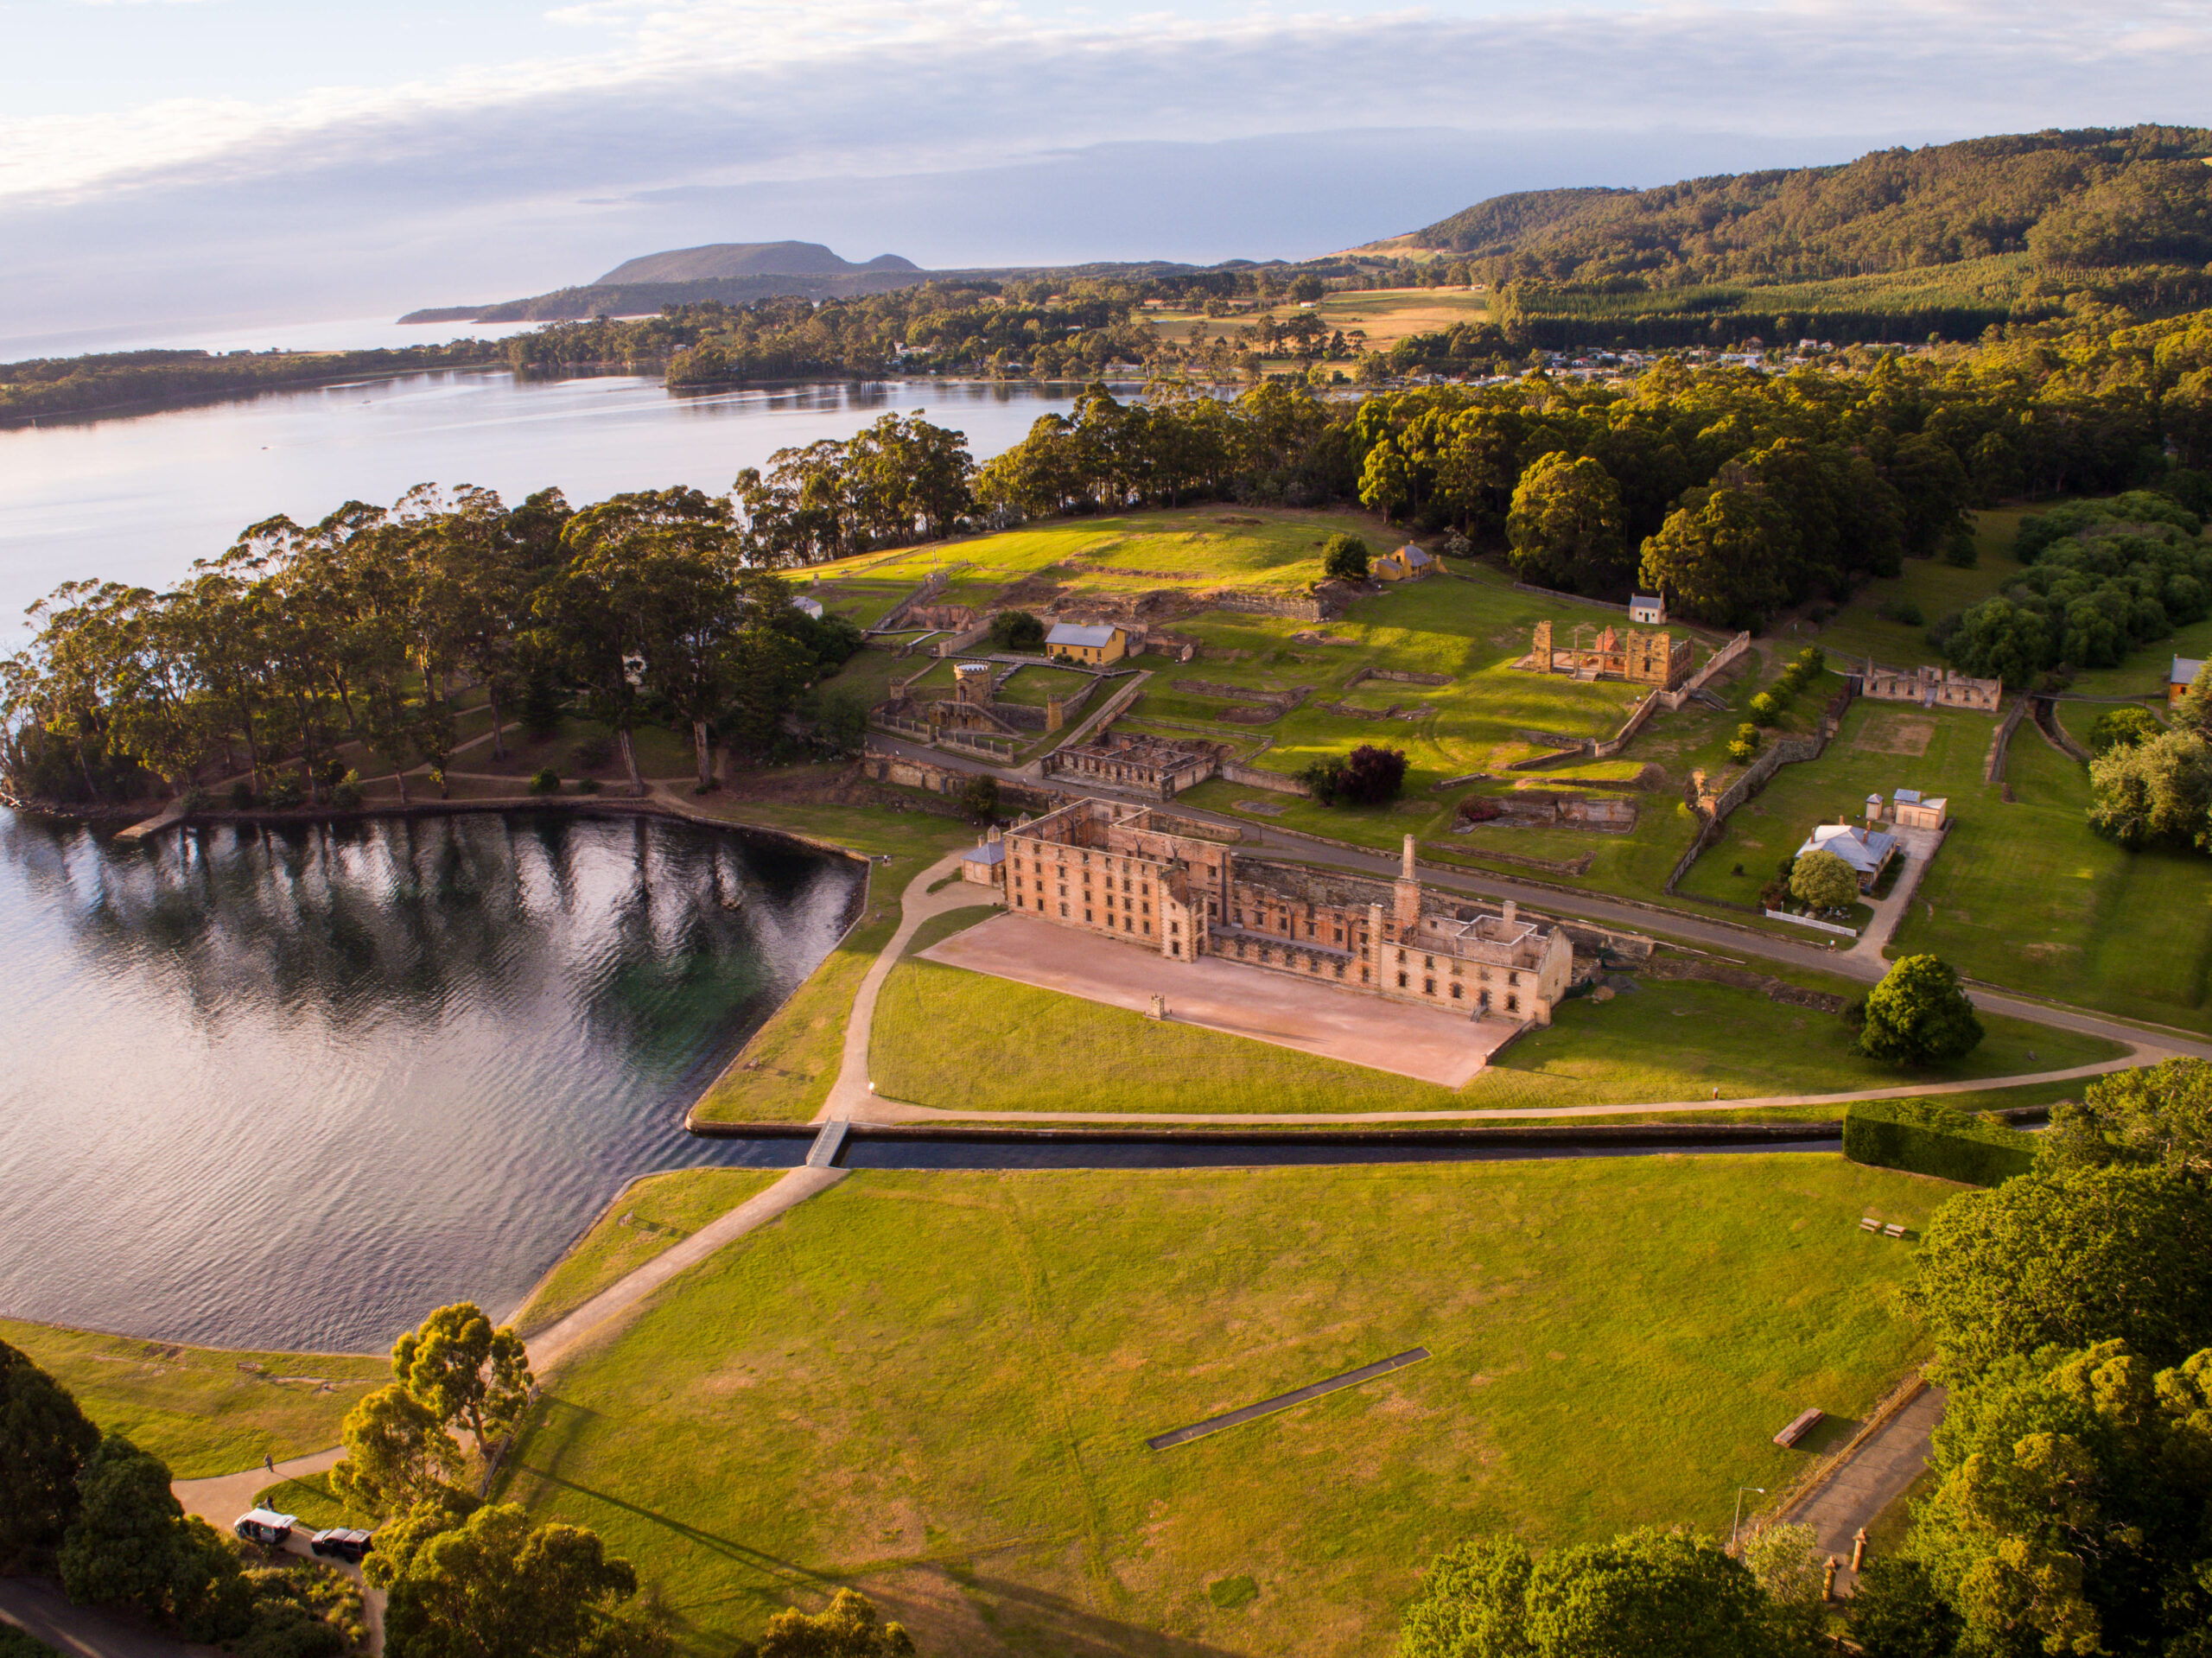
133, 407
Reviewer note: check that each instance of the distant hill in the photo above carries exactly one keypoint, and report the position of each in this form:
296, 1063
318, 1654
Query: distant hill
722, 260
1499, 225
2098, 198
734, 273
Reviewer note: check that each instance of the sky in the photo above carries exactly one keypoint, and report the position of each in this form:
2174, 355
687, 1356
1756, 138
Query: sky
178, 164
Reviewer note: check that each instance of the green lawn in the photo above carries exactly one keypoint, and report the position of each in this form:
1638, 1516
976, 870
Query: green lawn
2025, 896
1873, 753
651, 1215
198, 1409
960, 1435
1034, 687
964, 1041
1856, 631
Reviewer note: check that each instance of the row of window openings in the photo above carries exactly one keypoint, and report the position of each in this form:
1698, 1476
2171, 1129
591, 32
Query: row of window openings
1428, 988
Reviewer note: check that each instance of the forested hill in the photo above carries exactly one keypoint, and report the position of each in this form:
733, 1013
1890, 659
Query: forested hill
2093, 198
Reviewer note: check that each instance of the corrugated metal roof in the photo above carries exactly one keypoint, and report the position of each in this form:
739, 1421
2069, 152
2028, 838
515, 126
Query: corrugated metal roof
1910, 796
992, 853
2186, 670
1076, 633
1865, 851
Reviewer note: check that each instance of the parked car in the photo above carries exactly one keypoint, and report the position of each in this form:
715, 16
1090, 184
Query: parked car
265, 1525
342, 1543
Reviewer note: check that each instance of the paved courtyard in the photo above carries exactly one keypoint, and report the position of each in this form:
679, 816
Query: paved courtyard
1428, 1044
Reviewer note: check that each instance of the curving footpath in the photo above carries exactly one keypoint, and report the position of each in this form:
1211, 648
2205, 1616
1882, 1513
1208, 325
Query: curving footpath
850, 1097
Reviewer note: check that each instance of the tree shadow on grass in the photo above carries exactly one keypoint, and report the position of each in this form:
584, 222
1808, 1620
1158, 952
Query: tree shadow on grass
1053, 1624
787, 1572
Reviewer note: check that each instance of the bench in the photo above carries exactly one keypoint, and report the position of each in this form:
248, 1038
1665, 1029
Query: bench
1894, 1229
1805, 1424
1868, 1223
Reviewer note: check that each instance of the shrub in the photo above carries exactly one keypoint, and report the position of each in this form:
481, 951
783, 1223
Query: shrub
979, 797
1743, 751
242, 795
1821, 880
346, 793
547, 782
1016, 630
1344, 558
283, 792
1901, 610
1478, 808
2122, 728
1924, 1137
1765, 709
1366, 777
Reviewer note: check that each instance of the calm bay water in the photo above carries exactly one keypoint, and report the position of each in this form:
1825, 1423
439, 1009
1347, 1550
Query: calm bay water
137, 498
294, 1089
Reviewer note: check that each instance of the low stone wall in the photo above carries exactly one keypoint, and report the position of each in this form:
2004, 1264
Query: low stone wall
1268, 604
1518, 860
1672, 967
1250, 778
1395, 677
1992, 763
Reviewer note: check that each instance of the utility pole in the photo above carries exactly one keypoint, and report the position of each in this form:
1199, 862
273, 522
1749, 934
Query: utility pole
1736, 1524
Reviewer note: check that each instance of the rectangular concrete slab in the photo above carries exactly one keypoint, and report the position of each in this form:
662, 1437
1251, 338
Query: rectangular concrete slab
1427, 1043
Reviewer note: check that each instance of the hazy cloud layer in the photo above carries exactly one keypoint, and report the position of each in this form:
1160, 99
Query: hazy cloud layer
731, 119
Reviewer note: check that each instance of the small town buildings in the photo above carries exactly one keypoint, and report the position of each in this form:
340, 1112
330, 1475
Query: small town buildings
1134, 874
1909, 809
1932, 688
808, 607
1407, 563
1868, 851
1093, 644
1658, 659
1647, 609
2181, 676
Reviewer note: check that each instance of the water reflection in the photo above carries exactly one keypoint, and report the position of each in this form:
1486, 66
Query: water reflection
293, 1087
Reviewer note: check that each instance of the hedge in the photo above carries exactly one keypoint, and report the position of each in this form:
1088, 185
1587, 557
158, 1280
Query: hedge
1926, 1138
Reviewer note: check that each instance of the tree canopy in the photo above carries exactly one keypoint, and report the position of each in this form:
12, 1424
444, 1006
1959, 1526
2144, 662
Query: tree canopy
1919, 1014
45, 1440
2069, 1257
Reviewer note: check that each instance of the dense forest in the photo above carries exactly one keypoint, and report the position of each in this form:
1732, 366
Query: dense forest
1737, 493
1898, 244
74, 385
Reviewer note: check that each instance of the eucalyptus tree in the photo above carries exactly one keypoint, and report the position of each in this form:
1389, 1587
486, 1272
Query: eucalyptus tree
608, 608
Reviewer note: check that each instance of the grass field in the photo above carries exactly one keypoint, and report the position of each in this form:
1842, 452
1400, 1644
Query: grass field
1881, 748
964, 1041
2025, 896
1259, 549
1385, 316
1614, 1342
199, 1409
1857, 631
653, 1215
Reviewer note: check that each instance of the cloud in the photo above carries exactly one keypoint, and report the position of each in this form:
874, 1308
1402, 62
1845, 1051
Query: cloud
739, 120
729, 91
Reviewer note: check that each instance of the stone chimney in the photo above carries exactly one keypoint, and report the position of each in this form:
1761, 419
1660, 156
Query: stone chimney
1406, 910
1512, 911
